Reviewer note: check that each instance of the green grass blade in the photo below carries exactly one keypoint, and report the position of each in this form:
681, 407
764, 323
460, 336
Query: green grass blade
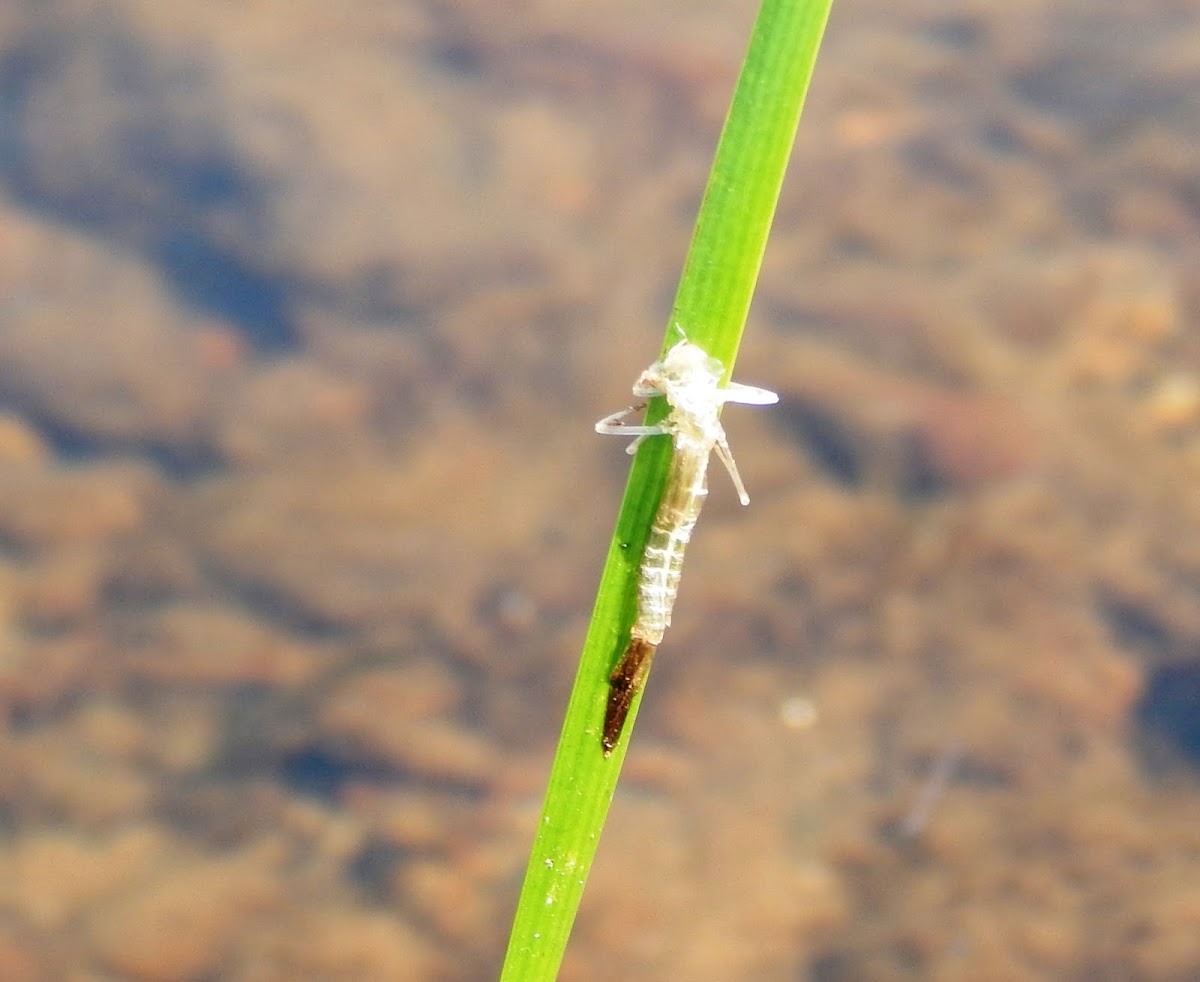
711, 306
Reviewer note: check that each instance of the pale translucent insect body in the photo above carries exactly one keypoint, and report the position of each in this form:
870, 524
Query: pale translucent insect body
689, 379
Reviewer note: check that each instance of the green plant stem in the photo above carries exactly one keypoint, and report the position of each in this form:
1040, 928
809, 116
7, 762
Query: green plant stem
711, 306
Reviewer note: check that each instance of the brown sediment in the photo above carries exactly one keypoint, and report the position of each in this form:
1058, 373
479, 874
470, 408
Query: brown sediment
255, 584
624, 683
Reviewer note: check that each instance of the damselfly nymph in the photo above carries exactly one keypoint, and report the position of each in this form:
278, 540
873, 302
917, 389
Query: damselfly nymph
690, 380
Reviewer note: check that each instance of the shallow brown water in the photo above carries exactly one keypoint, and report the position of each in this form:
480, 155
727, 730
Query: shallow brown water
305, 316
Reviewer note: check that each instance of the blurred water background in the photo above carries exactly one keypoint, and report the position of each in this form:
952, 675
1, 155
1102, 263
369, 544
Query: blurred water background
306, 311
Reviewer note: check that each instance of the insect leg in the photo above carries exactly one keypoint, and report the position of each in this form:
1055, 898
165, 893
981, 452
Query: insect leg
612, 426
723, 451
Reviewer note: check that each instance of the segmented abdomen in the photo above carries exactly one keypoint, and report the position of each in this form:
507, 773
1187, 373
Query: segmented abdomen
662, 562
658, 580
